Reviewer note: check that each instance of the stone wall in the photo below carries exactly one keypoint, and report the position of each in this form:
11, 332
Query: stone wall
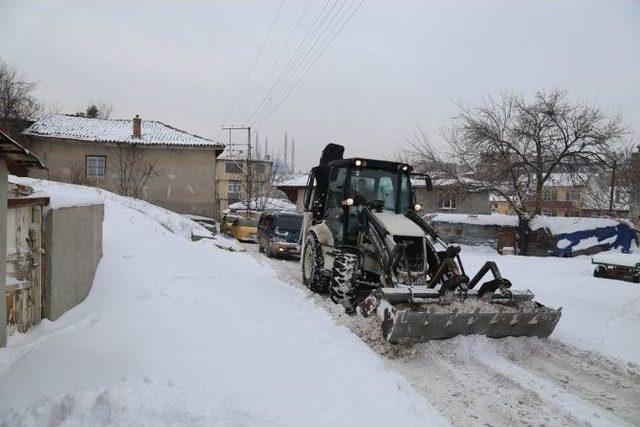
73, 249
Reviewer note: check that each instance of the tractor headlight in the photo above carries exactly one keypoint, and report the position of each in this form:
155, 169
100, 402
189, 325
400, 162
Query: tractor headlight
348, 202
417, 207
358, 162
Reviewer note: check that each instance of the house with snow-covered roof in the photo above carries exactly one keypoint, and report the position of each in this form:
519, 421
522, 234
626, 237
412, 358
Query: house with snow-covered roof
444, 196
146, 159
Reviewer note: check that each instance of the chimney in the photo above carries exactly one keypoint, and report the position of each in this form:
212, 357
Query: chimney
137, 127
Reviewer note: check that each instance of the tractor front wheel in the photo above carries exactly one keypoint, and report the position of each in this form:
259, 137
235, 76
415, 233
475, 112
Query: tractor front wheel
312, 265
343, 281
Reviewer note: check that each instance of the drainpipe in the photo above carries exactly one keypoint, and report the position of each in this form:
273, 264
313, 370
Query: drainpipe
3, 251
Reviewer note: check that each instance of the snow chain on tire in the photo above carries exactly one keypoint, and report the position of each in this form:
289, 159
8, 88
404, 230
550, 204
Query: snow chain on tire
316, 281
343, 280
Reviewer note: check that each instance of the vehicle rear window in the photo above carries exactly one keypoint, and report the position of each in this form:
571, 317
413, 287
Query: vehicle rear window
289, 222
247, 222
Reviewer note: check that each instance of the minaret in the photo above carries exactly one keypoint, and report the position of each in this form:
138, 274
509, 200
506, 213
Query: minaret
286, 151
293, 154
266, 148
257, 149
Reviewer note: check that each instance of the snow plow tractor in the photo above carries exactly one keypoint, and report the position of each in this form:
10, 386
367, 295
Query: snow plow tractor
365, 244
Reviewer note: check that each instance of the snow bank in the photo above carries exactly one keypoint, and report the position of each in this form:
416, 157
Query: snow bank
480, 219
176, 332
60, 195
599, 315
560, 225
555, 225
618, 258
258, 203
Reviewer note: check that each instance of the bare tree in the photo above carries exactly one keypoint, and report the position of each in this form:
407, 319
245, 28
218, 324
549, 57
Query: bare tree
511, 147
266, 175
266, 187
16, 95
135, 168
96, 110
609, 187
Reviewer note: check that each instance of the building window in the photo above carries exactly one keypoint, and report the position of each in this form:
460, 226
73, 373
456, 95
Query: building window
573, 196
550, 194
232, 167
96, 166
617, 195
447, 201
234, 188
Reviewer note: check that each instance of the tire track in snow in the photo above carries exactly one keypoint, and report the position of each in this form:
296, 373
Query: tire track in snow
512, 381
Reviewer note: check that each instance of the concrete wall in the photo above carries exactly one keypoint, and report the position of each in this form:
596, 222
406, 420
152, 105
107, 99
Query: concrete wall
73, 248
3, 251
466, 202
185, 179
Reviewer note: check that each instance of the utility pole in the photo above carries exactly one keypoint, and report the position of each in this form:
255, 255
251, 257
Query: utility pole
248, 175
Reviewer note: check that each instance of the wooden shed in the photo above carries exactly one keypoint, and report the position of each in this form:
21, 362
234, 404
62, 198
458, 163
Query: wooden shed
17, 160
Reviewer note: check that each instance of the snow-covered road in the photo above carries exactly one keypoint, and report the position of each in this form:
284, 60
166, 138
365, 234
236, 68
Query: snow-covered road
176, 332
523, 381
182, 333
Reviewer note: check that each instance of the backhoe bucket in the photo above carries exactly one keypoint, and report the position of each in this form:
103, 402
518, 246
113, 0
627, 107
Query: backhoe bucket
418, 314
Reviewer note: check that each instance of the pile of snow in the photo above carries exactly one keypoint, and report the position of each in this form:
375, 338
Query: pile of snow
618, 258
295, 180
176, 332
597, 315
476, 219
60, 195
555, 225
559, 225
260, 203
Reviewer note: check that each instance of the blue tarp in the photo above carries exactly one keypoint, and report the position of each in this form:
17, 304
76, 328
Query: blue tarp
620, 236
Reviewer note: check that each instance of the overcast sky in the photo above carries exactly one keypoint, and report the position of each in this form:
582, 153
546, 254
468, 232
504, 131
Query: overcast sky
395, 65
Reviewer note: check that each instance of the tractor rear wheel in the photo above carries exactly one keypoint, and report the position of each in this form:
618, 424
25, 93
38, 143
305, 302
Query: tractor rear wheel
312, 265
343, 281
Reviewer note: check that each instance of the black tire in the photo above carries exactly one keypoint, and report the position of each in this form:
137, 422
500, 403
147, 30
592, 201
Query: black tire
599, 271
260, 248
312, 265
343, 281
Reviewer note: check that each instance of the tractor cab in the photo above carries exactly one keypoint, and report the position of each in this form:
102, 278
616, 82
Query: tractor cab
356, 183
338, 190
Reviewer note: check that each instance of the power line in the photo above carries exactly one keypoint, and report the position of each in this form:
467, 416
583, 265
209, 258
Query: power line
276, 59
306, 72
300, 65
302, 54
294, 56
257, 58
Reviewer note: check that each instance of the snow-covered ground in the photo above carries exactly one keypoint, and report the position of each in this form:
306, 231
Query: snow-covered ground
599, 315
476, 380
176, 332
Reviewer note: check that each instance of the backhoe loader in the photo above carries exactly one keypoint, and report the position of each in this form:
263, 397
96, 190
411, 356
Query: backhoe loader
365, 243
